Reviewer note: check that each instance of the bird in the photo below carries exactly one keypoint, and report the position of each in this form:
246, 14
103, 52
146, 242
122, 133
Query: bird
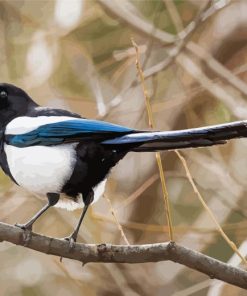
55, 152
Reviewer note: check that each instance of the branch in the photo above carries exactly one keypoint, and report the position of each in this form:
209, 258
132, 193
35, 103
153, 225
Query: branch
129, 15
235, 103
142, 25
217, 67
108, 253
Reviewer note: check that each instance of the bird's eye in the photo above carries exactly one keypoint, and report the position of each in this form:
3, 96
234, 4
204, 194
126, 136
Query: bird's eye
3, 94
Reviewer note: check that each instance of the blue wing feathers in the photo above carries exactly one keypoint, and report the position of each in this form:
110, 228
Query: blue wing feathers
72, 130
76, 126
56, 133
75, 130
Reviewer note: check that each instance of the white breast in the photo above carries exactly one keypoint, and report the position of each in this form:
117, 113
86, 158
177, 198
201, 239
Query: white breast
41, 169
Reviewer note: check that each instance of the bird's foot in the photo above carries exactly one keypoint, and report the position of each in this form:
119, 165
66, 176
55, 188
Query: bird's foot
72, 240
27, 234
26, 226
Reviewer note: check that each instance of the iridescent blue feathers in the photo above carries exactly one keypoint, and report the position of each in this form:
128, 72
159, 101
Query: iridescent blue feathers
67, 131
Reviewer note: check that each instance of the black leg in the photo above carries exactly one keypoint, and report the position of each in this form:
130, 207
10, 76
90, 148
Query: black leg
87, 201
52, 200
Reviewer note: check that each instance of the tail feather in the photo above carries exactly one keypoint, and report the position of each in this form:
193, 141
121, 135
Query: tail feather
189, 138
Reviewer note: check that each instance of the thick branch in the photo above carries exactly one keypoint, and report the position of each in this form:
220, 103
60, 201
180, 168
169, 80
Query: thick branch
126, 254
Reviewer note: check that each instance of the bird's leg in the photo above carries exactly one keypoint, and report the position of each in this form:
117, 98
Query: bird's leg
87, 201
52, 200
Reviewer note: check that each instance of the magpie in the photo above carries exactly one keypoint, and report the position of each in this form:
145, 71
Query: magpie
54, 152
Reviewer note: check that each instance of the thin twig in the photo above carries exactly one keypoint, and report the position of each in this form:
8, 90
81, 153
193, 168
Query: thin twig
180, 41
139, 191
217, 67
229, 242
127, 12
163, 228
226, 74
235, 103
171, 7
120, 228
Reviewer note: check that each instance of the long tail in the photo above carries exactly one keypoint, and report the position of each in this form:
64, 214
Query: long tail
189, 138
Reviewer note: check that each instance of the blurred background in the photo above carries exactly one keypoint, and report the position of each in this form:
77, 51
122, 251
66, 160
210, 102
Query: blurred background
78, 55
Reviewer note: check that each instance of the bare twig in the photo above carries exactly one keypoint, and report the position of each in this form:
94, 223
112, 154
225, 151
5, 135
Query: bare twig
171, 7
226, 74
128, 15
120, 228
139, 191
143, 26
235, 103
241, 226
217, 67
222, 233
126, 254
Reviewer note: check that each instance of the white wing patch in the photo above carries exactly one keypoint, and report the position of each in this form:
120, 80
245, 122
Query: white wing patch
25, 124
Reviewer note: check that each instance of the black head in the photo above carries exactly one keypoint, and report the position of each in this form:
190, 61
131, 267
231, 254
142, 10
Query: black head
14, 102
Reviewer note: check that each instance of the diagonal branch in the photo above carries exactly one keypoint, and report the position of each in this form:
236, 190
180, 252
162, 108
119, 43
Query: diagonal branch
108, 253
176, 47
130, 16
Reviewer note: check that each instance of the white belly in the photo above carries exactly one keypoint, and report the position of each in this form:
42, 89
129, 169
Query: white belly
41, 169
70, 205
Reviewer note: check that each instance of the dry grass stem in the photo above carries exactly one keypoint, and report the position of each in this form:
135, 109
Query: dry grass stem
158, 157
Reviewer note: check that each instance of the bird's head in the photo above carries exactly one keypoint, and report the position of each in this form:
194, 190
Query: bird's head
13, 102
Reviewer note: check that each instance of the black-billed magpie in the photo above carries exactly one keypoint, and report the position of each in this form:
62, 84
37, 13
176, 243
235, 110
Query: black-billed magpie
53, 152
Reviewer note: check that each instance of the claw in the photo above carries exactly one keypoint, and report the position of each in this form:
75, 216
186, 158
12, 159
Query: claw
72, 240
